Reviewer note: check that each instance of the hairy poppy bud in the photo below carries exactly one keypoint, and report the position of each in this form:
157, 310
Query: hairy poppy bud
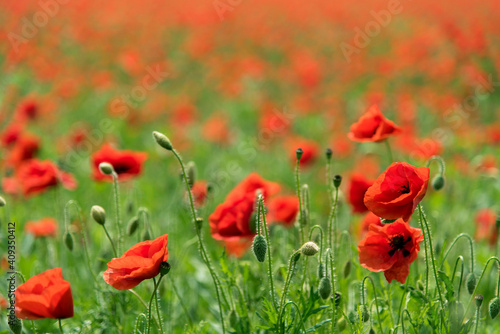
259, 247
328, 153
132, 225
233, 318
372, 331
191, 173
353, 317
98, 214
347, 268
338, 298
199, 223
309, 248
68, 240
337, 180
479, 300
16, 326
471, 283
321, 270
164, 268
341, 324
162, 140
325, 288
365, 315
2, 202
494, 307
438, 182
299, 153
145, 235
106, 168
296, 257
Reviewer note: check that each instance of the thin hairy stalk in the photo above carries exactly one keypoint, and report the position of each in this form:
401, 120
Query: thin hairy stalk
269, 259
188, 316
471, 246
477, 320
298, 312
116, 194
461, 259
301, 218
401, 302
375, 297
332, 243
291, 268
110, 240
153, 295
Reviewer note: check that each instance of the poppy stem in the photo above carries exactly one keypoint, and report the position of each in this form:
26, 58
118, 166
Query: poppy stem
201, 245
116, 193
156, 284
188, 316
461, 259
297, 184
477, 319
471, 246
269, 260
60, 326
110, 240
389, 151
158, 308
332, 241
375, 297
291, 269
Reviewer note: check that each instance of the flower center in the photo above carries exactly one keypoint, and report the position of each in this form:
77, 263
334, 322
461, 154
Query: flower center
405, 189
398, 243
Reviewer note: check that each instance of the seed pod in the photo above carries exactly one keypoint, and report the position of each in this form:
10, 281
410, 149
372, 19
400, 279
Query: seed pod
309, 248
328, 153
164, 268
479, 300
325, 288
471, 283
106, 168
68, 240
372, 331
191, 173
259, 247
353, 317
16, 326
132, 225
494, 307
347, 268
98, 214
337, 180
438, 182
298, 153
365, 315
162, 140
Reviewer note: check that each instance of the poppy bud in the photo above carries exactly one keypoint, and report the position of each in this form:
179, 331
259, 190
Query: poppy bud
259, 247
321, 270
372, 331
132, 225
471, 283
233, 319
16, 326
341, 324
296, 257
2, 202
106, 168
494, 307
164, 268
337, 180
479, 300
191, 173
328, 153
325, 288
162, 140
199, 223
145, 235
438, 182
299, 153
130, 207
353, 317
309, 248
68, 240
365, 315
347, 268
98, 214
387, 221
338, 298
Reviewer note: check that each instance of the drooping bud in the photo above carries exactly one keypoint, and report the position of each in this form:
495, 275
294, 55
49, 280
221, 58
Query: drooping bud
68, 240
164, 268
259, 247
438, 182
353, 317
145, 235
479, 300
347, 268
325, 288
365, 315
16, 326
328, 153
494, 307
98, 214
132, 225
296, 257
162, 140
2, 202
372, 331
298, 153
106, 168
471, 283
309, 248
337, 180
191, 173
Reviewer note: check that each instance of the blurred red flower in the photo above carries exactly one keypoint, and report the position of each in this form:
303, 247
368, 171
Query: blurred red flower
390, 248
216, 130
27, 110
397, 191
368, 220
46, 295
310, 150
11, 133
127, 163
358, 185
283, 209
140, 262
485, 226
36, 176
46, 227
24, 148
199, 190
373, 127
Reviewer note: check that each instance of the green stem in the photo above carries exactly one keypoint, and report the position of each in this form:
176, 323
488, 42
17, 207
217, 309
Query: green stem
401, 302
389, 151
151, 301
375, 297
291, 268
60, 326
190, 321
477, 320
269, 260
297, 184
471, 245
332, 240
202, 249
116, 194
300, 315
461, 259
158, 309
110, 240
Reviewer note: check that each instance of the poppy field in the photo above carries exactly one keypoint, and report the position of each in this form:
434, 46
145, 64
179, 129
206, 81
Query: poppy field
249, 166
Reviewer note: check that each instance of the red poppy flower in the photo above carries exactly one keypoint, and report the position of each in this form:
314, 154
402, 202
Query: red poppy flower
46, 227
358, 185
397, 191
199, 190
390, 248
140, 262
46, 295
309, 148
3, 303
368, 220
27, 110
486, 226
216, 130
11, 133
252, 183
373, 127
283, 209
24, 148
127, 163
35, 176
